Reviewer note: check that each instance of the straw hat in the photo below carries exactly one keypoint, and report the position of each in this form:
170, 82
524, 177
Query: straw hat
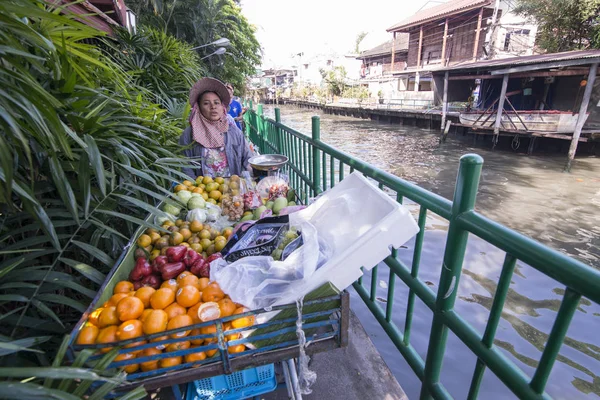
209, 85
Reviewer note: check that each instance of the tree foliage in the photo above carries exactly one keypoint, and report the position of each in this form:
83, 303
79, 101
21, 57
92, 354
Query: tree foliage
85, 152
335, 79
563, 25
201, 22
359, 38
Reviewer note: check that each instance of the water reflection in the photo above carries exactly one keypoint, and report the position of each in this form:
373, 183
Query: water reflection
528, 194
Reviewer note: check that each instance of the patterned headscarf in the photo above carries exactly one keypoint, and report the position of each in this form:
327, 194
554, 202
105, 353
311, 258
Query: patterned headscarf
210, 134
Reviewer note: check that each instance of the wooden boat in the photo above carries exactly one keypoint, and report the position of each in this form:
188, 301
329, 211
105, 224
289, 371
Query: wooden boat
551, 121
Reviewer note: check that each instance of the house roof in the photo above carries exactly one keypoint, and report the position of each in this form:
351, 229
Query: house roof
443, 10
386, 48
581, 57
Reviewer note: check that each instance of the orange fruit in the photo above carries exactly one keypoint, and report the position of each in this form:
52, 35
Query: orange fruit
155, 322
186, 233
144, 240
179, 322
189, 280
196, 226
108, 317
88, 335
94, 315
162, 298
123, 287
144, 294
202, 283
179, 346
130, 308
129, 329
244, 321
107, 335
114, 300
227, 307
209, 311
188, 296
234, 336
179, 188
182, 276
227, 232
194, 357
238, 348
169, 362
188, 183
212, 293
145, 313
149, 365
160, 346
196, 332
174, 310
193, 312
171, 284
207, 330
135, 344
212, 352
129, 368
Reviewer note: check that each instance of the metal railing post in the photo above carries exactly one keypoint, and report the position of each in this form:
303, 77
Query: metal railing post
260, 127
465, 193
316, 154
278, 130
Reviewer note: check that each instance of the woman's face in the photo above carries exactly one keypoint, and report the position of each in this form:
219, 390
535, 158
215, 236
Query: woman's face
211, 107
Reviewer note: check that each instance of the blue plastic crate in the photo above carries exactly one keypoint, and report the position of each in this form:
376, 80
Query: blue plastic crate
239, 385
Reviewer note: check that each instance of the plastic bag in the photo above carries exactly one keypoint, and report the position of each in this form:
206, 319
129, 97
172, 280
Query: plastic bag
213, 212
265, 280
248, 189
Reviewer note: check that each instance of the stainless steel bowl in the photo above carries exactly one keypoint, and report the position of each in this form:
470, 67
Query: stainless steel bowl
268, 162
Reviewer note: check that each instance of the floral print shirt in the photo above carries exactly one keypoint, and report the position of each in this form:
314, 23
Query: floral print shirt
216, 162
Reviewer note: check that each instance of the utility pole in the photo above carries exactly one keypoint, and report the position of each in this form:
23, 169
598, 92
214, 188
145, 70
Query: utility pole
491, 33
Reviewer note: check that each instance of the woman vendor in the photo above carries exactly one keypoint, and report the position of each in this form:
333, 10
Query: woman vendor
219, 147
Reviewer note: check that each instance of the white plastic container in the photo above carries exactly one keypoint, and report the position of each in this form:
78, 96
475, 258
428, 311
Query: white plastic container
361, 223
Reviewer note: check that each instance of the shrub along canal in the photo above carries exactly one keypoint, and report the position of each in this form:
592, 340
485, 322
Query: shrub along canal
529, 194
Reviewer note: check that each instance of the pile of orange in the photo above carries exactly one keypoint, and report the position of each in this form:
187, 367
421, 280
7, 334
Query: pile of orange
178, 303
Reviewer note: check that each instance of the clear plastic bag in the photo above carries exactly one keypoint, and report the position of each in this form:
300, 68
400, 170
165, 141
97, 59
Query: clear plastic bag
260, 281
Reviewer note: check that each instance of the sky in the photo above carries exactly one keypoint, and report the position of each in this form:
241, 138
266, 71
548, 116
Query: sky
286, 27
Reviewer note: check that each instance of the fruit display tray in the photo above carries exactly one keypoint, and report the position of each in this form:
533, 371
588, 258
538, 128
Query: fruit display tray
325, 316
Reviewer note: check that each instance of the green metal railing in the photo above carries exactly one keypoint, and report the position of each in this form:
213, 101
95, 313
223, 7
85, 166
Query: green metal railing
314, 166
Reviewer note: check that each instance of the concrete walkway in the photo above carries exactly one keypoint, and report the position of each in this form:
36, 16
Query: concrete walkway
356, 372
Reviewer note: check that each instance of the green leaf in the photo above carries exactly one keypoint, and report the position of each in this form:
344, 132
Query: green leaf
136, 221
86, 270
39, 213
83, 178
136, 394
75, 286
46, 310
22, 345
64, 188
95, 252
141, 204
107, 228
63, 300
32, 391
13, 297
55, 373
96, 161
10, 267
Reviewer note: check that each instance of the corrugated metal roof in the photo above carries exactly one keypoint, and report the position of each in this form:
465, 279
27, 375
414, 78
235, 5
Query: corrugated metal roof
386, 48
584, 55
443, 10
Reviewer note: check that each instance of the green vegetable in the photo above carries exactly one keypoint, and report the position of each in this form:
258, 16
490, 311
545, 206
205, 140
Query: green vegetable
184, 196
291, 195
170, 209
259, 211
196, 202
280, 204
269, 205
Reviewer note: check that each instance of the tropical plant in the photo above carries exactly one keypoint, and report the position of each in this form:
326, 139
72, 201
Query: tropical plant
84, 155
335, 80
200, 23
563, 24
156, 61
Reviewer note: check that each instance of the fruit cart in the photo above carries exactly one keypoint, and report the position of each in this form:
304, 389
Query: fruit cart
325, 316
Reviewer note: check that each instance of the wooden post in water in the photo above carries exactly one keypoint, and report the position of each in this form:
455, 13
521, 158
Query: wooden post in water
445, 100
581, 117
501, 104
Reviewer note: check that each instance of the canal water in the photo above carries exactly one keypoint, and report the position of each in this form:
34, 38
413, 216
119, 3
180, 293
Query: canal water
529, 194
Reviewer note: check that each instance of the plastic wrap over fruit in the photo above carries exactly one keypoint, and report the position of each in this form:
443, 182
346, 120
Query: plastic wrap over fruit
260, 281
